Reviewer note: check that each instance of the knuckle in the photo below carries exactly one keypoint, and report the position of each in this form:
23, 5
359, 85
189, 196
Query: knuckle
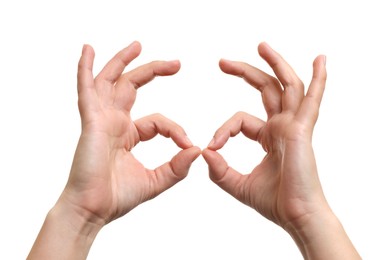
239, 114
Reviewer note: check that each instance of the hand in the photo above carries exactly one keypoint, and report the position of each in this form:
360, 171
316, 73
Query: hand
106, 180
284, 187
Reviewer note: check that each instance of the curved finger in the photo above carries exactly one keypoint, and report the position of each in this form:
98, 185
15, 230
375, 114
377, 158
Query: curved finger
293, 86
223, 175
268, 86
311, 103
173, 171
125, 88
145, 73
149, 126
241, 122
85, 67
115, 67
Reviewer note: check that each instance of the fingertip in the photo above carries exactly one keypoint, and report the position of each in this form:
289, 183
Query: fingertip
175, 65
262, 47
211, 144
190, 154
205, 152
180, 137
166, 68
87, 49
183, 160
265, 50
222, 64
227, 66
135, 49
319, 66
223, 61
219, 139
187, 142
136, 45
321, 59
210, 156
264, 44
215, 144
216, 163
194, 151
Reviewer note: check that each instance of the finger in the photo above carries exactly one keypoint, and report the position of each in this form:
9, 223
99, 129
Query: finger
311, 104
115, 67
293, 86
173, 171
149, 126
85, 66
268, 86
249, 125
224, 176
85, 83
125, 89
145, 73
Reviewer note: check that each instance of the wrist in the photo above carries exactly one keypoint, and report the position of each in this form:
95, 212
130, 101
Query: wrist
322, 236
65, 234
79, 222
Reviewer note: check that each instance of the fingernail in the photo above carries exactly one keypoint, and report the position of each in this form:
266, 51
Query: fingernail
212, 142
84, 47
175, 62
324, 60
266, 45
134, 43
188, 141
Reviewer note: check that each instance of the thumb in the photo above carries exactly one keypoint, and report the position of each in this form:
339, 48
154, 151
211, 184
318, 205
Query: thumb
223, 175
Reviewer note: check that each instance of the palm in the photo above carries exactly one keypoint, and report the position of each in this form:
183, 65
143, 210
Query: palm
112, 178
280, 187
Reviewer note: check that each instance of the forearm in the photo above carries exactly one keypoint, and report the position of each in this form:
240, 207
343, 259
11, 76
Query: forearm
323, 237
64, 235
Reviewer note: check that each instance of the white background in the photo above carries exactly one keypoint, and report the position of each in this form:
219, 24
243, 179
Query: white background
40, 46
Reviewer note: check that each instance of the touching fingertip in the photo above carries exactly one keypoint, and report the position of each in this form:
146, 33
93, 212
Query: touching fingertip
206, 153
188, 141
211, 144
198, 153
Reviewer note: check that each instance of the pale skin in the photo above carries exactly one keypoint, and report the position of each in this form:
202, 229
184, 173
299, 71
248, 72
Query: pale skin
284, 187
106, 181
